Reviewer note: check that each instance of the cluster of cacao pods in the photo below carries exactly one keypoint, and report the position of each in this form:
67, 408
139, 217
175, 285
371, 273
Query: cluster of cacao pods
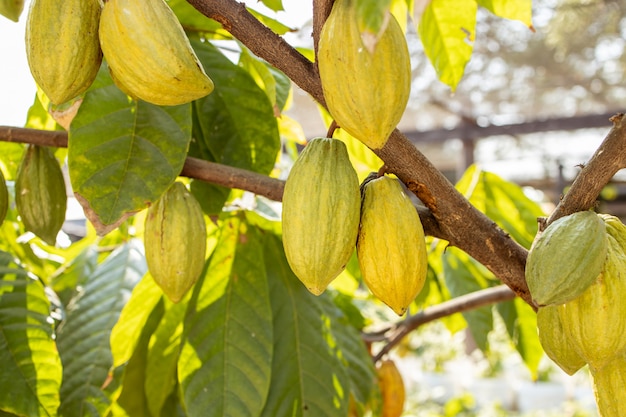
581, 318
175, 241
366, 91
325, 215
40, 193
146, 49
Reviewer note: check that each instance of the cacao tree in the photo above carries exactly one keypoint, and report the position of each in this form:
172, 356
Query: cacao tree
187, 114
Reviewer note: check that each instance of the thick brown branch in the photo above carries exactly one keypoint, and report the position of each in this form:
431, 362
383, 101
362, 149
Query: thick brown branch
394, 334
609, 158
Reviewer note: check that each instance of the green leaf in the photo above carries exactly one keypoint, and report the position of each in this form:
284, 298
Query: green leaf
31, 368
503, 202
236, 124
83, 338
191, 19
510, 9
372, 18
224, 366
521, 324
260, 73
65, 282
309, 376
275, 5
276, 27
447, 31
11, 9
464, 275
123, 154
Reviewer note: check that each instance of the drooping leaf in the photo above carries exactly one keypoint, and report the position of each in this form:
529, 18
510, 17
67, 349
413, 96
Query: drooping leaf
503, 202
447, 31
236, 125
83, 338
123, 154
309, 376
464, 275
510, 9
31, 368
191, 19
224, 365
275, 5
74, 273
521, 324
260, 73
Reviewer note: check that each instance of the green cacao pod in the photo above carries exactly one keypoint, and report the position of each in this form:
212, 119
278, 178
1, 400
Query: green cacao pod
566, 258
149, 54
595, 321
366, 93
11, 9
554, 342
40, 193
391, 387
608, 387
62, 46
4, 198
391, 248
321, 206
175, 241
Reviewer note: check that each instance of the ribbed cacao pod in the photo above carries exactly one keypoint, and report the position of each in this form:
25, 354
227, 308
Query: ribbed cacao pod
609, 384
11, 9
149, 54
175, 241
595, 321
566, 258
4, 198
366, 93
391, 248
321, 206
40, 193
391, 388
555, 343
62, 46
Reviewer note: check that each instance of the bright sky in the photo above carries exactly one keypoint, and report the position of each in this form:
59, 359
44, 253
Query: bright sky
17, 88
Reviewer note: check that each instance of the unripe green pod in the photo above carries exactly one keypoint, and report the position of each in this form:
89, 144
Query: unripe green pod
175, 241
554, 341
321, 206
40, 193
566, 258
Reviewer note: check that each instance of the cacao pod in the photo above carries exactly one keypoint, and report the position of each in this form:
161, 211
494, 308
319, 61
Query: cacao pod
595, 321
366, 93
555, 343
566, 258
321, 206
62, 46
11, 9
608, 387
4, 198
175, 241
390, 247
149, 54
391, 388
40, 193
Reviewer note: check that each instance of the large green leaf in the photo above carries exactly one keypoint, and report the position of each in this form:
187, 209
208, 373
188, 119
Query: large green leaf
447, 31
83, 338
30, 375
225, 361
309, 376
123, 154
464, 275
236, 123
503, 202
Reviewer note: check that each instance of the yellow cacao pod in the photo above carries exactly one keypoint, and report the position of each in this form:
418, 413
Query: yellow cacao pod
321, 206
566, 258
554, 342
149, 54
391, 388
40, 193
366, 93
609, 387
391, 248
62, 46
595, 321
11, 9
175, 241
4, 198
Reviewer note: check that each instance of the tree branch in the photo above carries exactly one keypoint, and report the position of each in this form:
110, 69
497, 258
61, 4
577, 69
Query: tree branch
394, 334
